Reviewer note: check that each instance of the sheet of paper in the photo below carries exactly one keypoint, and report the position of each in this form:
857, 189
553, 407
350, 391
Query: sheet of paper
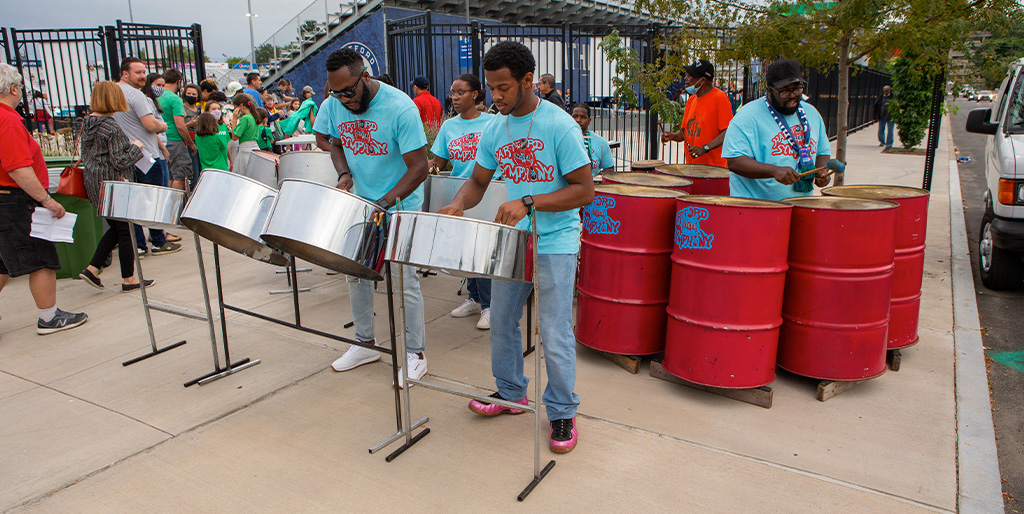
45, 226
146, 162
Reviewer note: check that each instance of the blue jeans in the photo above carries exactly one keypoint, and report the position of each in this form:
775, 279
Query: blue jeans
480, 291
158, 176
882, 138
555, 276
360, 292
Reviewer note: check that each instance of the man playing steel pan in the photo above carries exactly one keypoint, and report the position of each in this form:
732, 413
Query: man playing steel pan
539, 150
378, 148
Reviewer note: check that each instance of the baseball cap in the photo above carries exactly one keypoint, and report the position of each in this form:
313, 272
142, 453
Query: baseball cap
701, 69
783, 72
233, 87
421, 82
308, 89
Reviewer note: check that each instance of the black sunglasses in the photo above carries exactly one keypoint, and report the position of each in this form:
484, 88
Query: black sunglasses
345, 93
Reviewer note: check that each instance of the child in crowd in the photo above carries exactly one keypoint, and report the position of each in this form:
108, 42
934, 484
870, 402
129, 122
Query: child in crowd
265, 137
213, 148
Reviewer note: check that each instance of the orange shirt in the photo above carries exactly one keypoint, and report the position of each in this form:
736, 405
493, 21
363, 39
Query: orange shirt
703, 119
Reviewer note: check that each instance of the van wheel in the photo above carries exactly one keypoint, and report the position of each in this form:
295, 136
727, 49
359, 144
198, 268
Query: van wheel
1000, 270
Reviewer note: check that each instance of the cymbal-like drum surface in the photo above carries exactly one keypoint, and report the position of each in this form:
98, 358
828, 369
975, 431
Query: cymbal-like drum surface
142, 204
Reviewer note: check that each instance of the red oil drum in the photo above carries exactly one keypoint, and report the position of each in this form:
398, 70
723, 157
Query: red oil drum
836, 307
911, 229
725, 306
625, 268
707, 180
645, 166
649, 179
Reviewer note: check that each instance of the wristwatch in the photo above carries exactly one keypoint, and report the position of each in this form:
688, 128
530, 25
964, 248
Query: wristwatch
528, 201
383, 203
706, 148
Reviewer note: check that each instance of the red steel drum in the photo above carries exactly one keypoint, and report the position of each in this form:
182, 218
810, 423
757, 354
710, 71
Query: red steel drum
725, 306
911, 229
625, 268
645, 166
649, 179
707, 180
836, 307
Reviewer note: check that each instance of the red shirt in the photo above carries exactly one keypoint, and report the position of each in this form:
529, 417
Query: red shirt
430, 108
703, 119
18, 149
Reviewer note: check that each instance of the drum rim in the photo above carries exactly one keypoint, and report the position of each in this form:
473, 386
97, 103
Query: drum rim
626, 175
735, 201
178, 192
398, 215
663, 192
710, 170
828, 203
907, 191
232, 174
348, 193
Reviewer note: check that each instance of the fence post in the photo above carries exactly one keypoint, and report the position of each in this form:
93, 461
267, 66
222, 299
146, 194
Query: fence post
430, 50
111, 45
24, 90
650, 55
476, 46
938, 95
7, 45
198, 53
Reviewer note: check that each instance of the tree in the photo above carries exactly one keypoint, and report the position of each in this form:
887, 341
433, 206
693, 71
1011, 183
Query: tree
991, 58
910, 107
307, 27
825, 34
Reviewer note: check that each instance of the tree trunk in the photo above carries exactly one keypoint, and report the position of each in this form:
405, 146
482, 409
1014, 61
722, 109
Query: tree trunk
843, 116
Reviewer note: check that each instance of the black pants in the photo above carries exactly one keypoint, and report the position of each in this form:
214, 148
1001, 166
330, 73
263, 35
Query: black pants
116, 235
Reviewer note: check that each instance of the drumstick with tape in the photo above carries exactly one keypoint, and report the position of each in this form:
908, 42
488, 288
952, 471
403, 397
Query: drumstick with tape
834, 166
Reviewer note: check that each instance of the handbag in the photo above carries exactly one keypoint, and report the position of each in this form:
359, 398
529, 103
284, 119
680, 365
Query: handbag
72, 179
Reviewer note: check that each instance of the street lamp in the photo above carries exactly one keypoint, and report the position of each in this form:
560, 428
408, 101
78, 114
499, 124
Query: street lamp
252, 39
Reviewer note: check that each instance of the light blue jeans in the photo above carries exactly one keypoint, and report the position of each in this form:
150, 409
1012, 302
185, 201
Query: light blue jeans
555, 275
360, 292
884, 139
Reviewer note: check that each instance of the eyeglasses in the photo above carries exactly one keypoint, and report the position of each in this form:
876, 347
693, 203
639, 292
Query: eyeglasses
345, 93
791, 93
456, 94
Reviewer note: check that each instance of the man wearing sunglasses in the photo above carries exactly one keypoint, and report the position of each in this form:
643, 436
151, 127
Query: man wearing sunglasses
773, 139
378, 148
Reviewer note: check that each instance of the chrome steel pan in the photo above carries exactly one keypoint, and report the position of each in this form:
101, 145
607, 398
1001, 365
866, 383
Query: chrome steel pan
314, 165
262, 168
142, 204
461, 246
441, 190
231, 210
328, 227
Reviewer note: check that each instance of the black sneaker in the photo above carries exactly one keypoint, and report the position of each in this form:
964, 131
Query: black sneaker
90, 279
61, 321
132, 287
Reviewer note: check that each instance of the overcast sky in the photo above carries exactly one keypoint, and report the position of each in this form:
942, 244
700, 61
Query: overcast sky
225, 26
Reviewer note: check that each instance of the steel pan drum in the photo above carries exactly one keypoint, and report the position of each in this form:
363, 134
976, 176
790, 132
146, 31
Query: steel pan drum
707, 179
312, 165
142, 204
649, 179
262, 168
646, 166
461, 246
440, 190
230, 210
328, 227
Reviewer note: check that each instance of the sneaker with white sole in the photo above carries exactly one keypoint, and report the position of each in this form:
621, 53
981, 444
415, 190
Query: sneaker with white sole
355, 356
484, 323
63, 320
468, 308
417, 363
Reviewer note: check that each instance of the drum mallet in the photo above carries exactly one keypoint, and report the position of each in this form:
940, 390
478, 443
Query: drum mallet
834, 166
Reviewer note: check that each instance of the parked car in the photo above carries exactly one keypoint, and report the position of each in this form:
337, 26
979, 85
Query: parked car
986, 96
1001, 241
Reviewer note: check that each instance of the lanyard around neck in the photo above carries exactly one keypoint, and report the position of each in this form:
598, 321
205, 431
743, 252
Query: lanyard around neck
785, 126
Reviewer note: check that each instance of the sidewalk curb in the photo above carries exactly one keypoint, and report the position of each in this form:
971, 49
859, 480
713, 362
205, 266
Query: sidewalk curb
980, 489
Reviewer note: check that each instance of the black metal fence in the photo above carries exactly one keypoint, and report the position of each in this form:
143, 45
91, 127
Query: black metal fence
60, 66
571, 53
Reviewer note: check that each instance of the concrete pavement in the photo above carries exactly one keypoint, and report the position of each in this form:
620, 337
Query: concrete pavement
80, 433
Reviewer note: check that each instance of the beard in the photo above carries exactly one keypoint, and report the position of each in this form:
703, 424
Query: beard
786, 111
364, 101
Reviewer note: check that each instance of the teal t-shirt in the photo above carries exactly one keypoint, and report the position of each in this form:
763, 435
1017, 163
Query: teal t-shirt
375, 141
537, 165
755, 134
172, 106
600, 152
213, 152
457, 142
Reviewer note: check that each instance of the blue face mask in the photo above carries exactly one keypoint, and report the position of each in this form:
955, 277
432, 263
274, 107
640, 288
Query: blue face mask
157, 90
692, 90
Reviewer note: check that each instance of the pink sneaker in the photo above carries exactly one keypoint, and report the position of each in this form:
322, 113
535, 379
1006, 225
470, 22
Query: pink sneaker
492, 409
563, 435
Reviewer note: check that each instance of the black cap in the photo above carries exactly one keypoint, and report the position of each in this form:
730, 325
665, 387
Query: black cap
701, 69
421, 82
783, 72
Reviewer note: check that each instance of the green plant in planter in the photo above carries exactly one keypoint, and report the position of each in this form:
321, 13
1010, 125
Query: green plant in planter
910, 108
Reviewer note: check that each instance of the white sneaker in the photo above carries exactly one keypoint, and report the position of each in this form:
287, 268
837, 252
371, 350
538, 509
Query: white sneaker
484, 323
468, 308
417, 368
355, 356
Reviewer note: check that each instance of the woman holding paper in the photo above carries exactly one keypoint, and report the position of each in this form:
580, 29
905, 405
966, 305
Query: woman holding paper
108, 155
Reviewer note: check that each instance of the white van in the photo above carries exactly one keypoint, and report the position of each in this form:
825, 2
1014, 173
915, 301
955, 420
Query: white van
1001, 242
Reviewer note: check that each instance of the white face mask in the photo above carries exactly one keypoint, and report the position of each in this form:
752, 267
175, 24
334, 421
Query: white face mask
216, 114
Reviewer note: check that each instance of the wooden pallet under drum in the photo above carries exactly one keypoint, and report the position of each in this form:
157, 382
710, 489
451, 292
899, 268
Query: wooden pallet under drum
760, 396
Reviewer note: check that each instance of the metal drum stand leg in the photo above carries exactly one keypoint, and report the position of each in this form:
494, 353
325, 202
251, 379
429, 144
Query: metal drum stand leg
146, 307
289, 273
230, 367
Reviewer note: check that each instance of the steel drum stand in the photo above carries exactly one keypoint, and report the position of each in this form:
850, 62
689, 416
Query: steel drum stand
291, 277
297, 325
146, 307
538, 472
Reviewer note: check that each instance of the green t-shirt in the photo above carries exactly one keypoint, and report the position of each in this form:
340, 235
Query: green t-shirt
246, 129
172, 106
213, 152
265, 140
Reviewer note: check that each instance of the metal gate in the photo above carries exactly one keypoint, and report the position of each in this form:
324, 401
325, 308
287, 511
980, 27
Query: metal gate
63, 64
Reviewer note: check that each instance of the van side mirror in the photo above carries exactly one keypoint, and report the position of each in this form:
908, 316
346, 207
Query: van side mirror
977, 122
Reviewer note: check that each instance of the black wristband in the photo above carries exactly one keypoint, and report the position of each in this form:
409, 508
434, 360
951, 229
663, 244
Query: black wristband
383, 203
342, 174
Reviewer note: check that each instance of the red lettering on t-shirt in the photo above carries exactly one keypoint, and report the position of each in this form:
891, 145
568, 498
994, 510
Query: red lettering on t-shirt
781, 146
518, 162
357, 136
464, 148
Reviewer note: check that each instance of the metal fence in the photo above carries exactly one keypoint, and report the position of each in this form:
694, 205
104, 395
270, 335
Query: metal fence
60, 66
583, 73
